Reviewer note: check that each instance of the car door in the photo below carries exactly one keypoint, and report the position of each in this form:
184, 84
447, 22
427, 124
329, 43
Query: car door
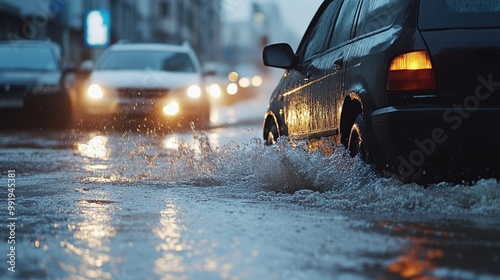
328, 71
303, 113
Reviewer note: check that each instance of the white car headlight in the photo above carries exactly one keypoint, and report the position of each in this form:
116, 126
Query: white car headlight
46, 89
257, 81
95, 92
232, 89
233, 77
215, 90
194, 91
244, 82
171, 109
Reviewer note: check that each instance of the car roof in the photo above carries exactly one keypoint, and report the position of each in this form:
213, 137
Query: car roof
30, 43
53, 46
184, 48
150, 47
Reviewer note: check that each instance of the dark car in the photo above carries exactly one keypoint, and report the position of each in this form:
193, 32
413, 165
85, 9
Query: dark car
412, 86
32, 90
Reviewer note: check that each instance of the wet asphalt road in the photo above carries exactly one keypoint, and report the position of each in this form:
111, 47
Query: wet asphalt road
219, 205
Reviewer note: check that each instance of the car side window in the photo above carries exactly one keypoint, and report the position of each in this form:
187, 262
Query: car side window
319, 35
345, 23
377, 14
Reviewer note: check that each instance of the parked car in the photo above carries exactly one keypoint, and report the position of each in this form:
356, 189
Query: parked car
32, 89
411, 86
157, 83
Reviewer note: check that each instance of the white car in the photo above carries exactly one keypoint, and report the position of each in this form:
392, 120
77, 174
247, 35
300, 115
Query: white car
157, 82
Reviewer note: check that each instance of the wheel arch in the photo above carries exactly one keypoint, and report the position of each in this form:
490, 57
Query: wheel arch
354, 103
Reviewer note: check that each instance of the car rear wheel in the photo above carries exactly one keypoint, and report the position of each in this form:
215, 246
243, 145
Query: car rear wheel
359, 140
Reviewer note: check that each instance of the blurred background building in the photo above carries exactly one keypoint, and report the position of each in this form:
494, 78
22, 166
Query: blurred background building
62, 21
231, 32
249, 29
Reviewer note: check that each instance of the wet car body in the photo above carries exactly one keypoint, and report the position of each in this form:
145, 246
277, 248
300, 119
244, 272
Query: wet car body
412, 86
32, 90
163, 85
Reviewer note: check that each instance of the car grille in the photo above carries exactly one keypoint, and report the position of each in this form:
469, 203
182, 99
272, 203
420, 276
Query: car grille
12, 89
142, 93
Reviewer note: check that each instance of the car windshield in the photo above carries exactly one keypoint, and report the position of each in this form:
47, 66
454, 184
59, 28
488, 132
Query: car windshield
444, 14
27, 58
147, 60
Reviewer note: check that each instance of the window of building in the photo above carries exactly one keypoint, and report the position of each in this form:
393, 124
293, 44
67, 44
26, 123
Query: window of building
180, 12
164, 9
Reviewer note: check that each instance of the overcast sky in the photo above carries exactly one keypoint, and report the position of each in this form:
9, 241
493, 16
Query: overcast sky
296, 13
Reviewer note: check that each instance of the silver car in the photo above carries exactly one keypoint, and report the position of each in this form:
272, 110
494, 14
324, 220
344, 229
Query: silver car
154, 82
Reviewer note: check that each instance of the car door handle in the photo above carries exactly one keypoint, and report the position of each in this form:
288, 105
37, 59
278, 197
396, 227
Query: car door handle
339, 63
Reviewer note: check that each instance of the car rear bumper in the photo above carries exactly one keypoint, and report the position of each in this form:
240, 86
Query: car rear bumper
32, 104
35, 111
409, 140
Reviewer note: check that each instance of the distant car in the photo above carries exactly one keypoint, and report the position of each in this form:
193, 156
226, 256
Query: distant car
233, 84
158, 83
217, 83
248, 79
412, 86
32, 85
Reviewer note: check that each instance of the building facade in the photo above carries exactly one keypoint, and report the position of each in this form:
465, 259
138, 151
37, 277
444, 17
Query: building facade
197, 22
62, 21
244, 37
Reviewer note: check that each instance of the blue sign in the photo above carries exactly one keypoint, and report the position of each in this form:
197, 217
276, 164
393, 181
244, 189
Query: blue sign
97, 27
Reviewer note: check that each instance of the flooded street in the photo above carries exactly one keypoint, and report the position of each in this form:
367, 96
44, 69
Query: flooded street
218, 204
171, 158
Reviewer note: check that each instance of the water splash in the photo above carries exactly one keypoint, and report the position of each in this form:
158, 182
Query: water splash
289, 174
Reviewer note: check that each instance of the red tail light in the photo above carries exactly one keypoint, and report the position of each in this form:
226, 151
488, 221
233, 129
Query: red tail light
411, 72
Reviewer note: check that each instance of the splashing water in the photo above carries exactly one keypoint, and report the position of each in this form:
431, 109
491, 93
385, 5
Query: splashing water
291, 174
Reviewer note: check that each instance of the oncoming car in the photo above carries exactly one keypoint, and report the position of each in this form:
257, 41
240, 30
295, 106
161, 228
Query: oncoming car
157, 83
412, 86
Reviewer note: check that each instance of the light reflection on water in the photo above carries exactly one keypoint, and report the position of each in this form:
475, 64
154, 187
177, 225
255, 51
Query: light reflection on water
181, 256
96, 147
172, 248
95, 153
91, 239
420, 259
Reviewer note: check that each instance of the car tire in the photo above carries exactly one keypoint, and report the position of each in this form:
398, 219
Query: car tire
271, 133
359, 140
